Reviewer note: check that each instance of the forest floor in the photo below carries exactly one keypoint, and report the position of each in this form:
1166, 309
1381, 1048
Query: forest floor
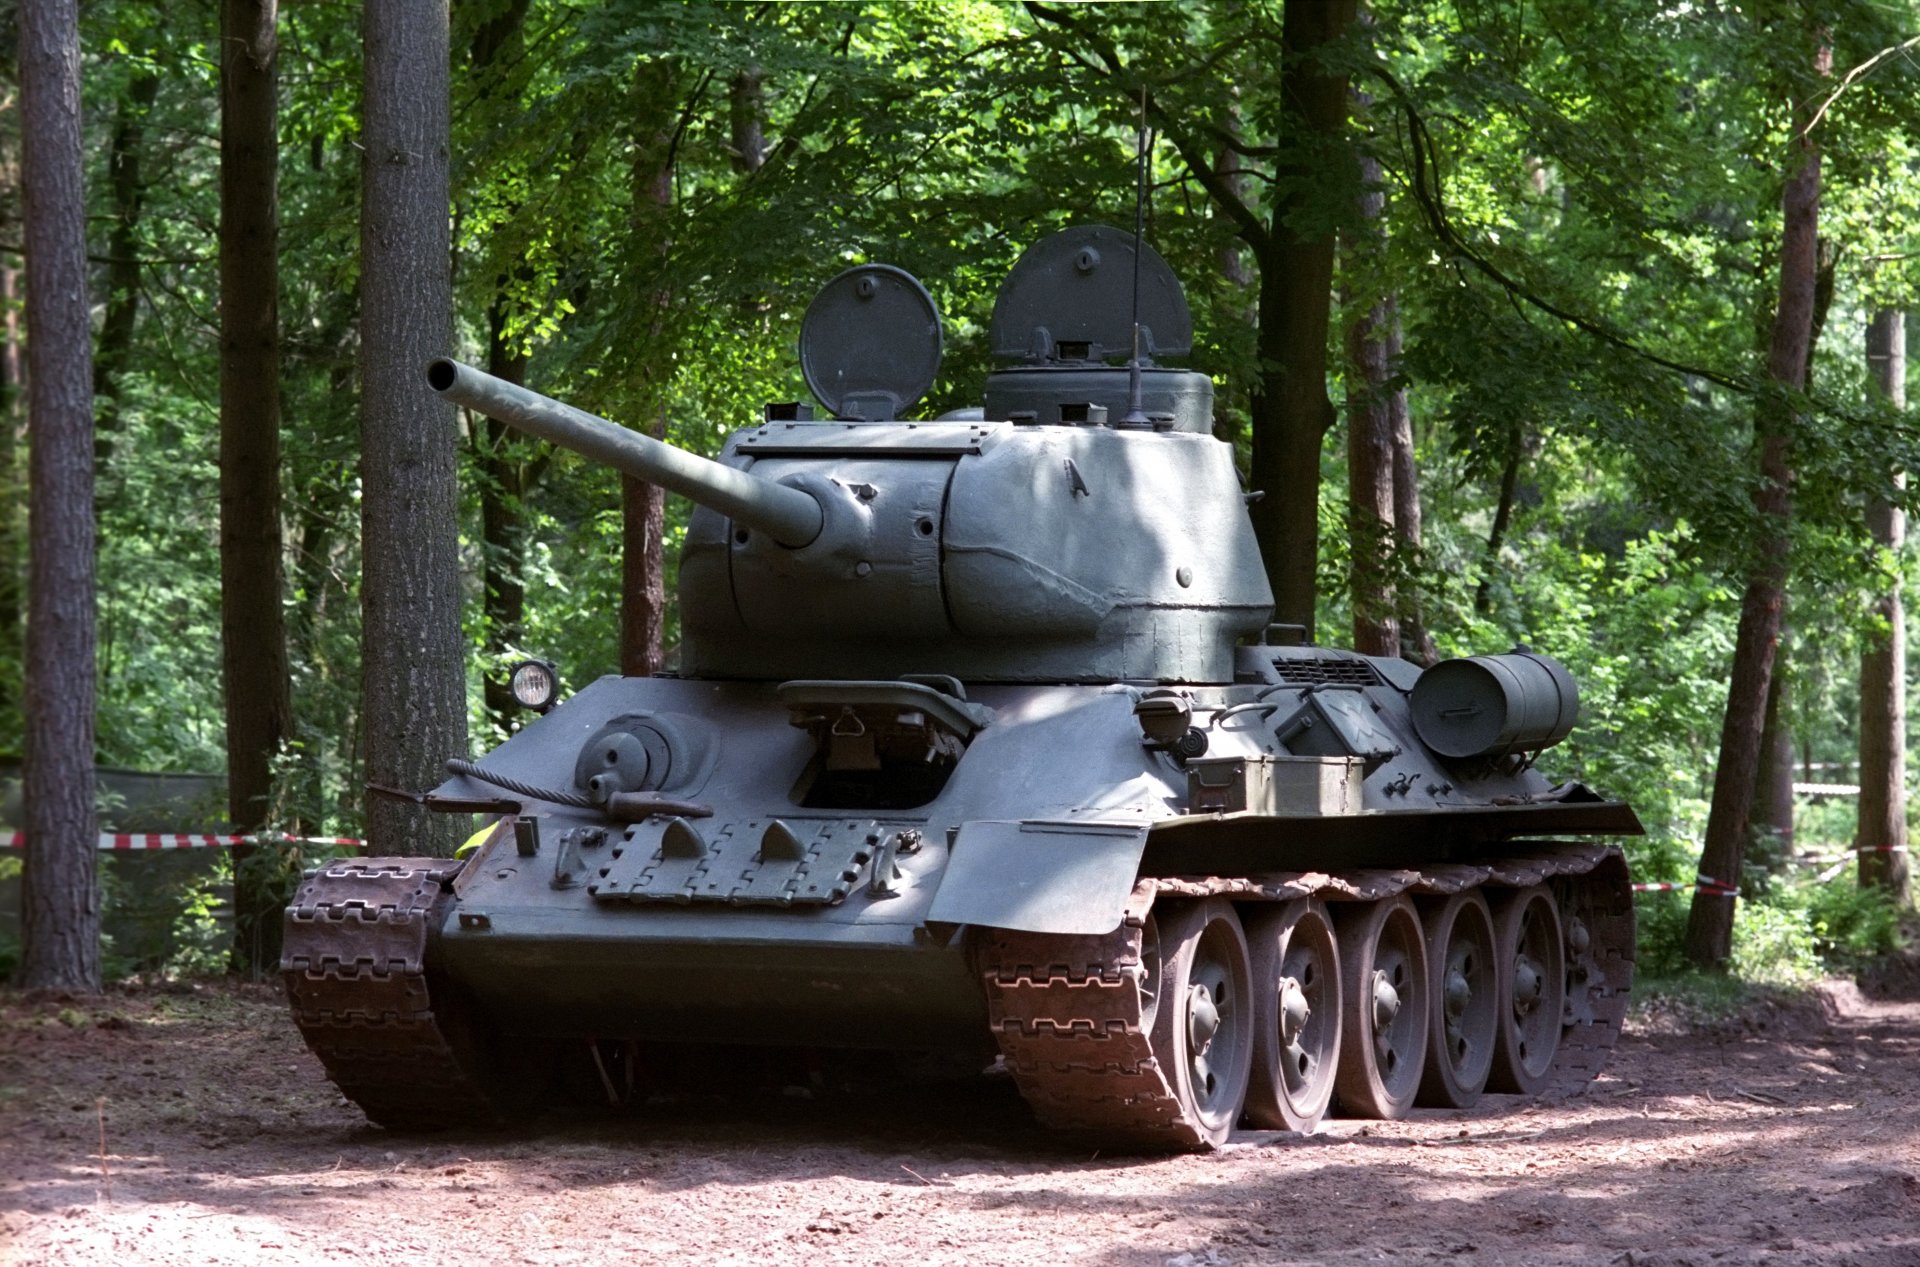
1789, 1133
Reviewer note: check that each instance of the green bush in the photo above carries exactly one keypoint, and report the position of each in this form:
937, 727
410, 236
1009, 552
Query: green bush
1850, 924
1773, 945
1788, 929
1662, 934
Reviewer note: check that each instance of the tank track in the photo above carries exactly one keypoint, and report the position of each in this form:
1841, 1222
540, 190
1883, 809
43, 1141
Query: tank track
354, 963
1073, 1022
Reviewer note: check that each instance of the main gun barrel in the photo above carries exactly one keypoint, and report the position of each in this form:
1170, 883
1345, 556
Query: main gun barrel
789, 515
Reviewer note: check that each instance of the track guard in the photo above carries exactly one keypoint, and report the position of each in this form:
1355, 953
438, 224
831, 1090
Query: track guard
1040, 876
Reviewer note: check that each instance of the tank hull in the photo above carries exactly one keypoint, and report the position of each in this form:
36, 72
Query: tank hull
1011, 904
708, 977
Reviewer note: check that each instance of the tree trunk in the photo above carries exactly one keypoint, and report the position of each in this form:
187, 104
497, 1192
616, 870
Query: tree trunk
643, 606
1290, 409
1376, 627
1416, 641
1370, 503
1502, 520
1709, 940
504, 478
643, 612
747, 120
12, 536
413, 652
1880, 836
128, 191
1773, 789
503, 523
12, 507
59, 896
253, 634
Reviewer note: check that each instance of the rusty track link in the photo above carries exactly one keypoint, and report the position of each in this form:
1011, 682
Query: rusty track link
354, 962
1599, 976
1073, 1015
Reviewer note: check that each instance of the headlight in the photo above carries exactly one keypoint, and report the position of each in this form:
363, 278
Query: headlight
535, 684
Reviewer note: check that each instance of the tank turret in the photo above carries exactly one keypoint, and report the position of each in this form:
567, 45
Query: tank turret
1049, 544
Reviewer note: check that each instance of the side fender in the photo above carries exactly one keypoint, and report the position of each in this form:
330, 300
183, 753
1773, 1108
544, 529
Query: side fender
1040, 876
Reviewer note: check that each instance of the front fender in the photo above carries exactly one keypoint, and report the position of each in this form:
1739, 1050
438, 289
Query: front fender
1040, 876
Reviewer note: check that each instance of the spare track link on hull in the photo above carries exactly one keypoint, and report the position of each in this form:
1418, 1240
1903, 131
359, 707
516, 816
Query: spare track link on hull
1073, 1022
354, 961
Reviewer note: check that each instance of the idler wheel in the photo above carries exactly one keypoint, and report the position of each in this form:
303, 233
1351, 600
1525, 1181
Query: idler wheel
1463, 983
1203, 1022
1383, 979
1531, 957
1296, 1039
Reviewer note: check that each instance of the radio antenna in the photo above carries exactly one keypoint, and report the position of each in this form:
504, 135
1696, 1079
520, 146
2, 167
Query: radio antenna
1136, 412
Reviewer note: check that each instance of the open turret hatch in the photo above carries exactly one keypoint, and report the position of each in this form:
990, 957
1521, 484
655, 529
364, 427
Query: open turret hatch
870, 343
1070, 298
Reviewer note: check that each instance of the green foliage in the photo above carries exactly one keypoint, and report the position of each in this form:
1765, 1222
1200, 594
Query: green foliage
1850, 924
1790, 929
200, 945
1582, 207
1773, 945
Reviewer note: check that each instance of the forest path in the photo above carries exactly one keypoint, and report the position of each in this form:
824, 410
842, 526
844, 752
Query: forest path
1790, 1136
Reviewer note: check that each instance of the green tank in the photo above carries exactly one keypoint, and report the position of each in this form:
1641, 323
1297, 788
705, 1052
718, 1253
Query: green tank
980, 743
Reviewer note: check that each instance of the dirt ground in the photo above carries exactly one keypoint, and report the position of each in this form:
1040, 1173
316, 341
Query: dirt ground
1789, 1135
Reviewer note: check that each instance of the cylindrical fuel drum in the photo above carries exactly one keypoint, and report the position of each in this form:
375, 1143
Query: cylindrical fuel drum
1492, 705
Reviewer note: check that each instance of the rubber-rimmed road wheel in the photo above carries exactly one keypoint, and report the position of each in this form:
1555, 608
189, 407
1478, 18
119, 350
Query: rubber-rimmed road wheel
1463, 984
1383, 1010
1204, 1014
1296, 1039
1533, 985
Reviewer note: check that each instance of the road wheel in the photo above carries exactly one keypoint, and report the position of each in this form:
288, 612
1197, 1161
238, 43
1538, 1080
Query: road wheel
1531, 960
1203, 1022
1296, 1041
1383, 1021
1463, 984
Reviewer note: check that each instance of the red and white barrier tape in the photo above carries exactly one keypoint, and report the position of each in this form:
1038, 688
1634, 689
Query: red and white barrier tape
187, 840
1705, 883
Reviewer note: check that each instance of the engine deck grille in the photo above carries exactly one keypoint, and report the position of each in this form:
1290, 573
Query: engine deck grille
1326, 672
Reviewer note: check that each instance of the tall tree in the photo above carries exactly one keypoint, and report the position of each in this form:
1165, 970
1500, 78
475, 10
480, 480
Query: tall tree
127, 187
1709, 940
747, 120
413, 680
1290, 408
1371, 469
1880, 834
1290, 235
12, 383
253, 635
1773, 782
507, 471
643, 505
1416, 640
59, 899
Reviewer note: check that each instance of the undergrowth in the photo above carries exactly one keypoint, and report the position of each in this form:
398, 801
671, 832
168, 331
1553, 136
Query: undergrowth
1790, 929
